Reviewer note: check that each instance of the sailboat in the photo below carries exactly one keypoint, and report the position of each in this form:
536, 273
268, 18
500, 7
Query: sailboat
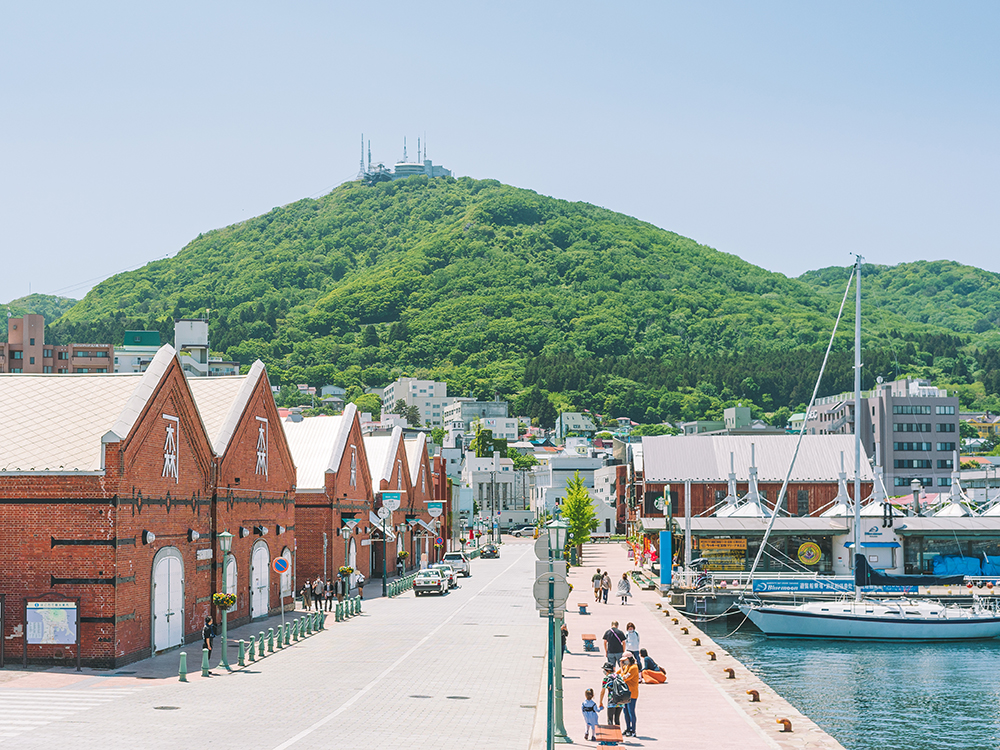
865, 617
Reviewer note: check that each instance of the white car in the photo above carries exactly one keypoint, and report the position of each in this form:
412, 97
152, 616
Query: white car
523, 531
460, 562
448, 572
429, 582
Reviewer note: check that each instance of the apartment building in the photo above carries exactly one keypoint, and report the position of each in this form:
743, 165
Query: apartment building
27, 352
427, 395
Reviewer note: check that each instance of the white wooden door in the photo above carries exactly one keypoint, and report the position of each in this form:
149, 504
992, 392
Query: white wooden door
168, 603
232, 580
259, 584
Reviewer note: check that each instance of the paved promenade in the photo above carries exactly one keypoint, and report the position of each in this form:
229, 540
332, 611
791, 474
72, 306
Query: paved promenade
459, 671
698, 707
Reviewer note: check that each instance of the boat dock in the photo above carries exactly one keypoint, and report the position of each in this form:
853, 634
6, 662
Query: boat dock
700, 705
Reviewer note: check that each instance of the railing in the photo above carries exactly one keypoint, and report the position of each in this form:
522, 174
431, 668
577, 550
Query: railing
397, 587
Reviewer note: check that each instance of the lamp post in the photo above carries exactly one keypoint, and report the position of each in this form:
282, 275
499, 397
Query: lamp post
225, 544
557, 531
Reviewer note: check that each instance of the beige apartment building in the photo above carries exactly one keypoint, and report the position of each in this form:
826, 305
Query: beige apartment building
26, 351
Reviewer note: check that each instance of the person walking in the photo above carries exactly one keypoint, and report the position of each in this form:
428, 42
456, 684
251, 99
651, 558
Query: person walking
207, 635
564, 631
632, 642
342, 587
361, 585
605, 586
307, 593
624, 588
629, 671
596, 581
589, 716
614, 709
614, 644
318, 593
328, 595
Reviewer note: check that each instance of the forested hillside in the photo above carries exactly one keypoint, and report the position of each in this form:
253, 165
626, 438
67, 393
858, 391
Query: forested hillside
37, 304
498, 290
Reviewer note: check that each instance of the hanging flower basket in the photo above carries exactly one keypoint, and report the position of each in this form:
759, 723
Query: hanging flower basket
439, 546
224, 601
345, 570
403, 554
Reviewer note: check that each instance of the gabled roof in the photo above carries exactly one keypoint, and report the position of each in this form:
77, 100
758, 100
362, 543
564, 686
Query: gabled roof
60, 422
381, 451
705, 458
317, 446
222, 401
416, 450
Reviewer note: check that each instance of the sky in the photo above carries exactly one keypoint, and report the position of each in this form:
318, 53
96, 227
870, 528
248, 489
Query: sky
789, 134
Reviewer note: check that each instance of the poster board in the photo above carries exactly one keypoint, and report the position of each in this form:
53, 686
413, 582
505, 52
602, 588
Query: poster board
52, 622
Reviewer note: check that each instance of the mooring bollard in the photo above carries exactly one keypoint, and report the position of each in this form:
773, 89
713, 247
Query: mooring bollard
260, 644
204, 662
243, 650
182, 672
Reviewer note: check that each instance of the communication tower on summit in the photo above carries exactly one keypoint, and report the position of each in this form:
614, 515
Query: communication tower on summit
361, 170
402, 169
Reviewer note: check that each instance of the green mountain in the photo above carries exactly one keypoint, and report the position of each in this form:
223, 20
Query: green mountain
37, 304
498, 290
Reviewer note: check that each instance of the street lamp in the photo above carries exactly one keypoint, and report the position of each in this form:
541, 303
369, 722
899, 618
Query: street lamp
557, 532
225, 544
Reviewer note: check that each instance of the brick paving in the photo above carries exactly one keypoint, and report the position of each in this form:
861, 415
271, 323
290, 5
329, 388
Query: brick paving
459, 671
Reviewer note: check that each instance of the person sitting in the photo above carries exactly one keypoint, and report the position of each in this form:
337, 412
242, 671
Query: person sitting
651, 671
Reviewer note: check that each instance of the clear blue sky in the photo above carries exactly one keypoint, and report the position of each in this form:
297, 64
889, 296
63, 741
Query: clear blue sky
787, 133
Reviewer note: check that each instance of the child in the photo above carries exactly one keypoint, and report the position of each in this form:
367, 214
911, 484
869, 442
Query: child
590, 716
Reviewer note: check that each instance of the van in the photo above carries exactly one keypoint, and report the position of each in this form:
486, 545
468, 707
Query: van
459, 562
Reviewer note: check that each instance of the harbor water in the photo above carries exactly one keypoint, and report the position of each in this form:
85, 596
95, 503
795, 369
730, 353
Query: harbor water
890, 696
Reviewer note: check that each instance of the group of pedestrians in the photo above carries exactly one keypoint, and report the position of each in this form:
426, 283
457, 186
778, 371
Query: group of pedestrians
321, 595
626, 666
602, 587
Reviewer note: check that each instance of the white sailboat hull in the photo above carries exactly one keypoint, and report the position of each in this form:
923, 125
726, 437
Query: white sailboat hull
905, 620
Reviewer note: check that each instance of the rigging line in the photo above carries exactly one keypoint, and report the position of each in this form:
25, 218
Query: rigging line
802, 429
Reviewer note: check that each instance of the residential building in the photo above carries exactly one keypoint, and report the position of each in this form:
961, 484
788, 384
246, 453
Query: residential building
136, 351
908, 427
504, 428
497, 490
986, 424
191, 341
459, 412
574, 422
26, 351
427, 395
549, 485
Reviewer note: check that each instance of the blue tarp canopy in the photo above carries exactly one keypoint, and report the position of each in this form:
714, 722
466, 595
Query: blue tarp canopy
866, 575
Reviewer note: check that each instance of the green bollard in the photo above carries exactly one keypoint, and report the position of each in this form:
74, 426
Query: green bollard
183, 671
251, 651
243, 648
336, 613
270, 640
309, 624
260, 644
204, 662
322, 620
287, 632
295, 629
280, 637
357, 602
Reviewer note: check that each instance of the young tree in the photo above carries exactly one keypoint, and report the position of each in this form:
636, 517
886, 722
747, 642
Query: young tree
578, 512
522, 460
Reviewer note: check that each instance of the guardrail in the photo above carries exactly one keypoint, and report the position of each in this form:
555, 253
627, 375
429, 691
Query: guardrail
397, 587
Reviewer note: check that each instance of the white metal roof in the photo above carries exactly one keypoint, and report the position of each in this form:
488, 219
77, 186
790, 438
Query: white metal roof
58, 423
416, 449
381, 452
705, 458
317, 444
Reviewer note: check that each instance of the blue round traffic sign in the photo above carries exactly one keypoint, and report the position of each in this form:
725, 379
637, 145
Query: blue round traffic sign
280, 565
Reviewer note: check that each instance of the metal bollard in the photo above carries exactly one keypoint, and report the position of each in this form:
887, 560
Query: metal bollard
280, 637
338, 612
243, 650
251, 651
270, 640
204, 662
309, 622
182, 672
322, 620
287, 631
357, 602
260, 644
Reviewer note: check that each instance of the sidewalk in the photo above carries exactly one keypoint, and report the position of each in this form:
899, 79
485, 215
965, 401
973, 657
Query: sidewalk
697, 707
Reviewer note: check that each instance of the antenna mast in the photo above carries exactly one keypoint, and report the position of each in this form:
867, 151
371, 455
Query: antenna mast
404, 148
419, 161
369, 156
361, 170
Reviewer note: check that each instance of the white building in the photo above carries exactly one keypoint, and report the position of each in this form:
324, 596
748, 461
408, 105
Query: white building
502, 427
191, 343
549, 485
427, 395
498, 490
574, 421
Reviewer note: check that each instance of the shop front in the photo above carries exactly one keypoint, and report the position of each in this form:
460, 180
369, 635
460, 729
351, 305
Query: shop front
951, 546
795, 545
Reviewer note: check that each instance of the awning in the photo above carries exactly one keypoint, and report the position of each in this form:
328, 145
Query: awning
654, 524
376, 522
785, 526
894, 545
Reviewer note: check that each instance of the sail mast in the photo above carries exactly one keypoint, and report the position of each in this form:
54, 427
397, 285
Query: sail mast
857, 422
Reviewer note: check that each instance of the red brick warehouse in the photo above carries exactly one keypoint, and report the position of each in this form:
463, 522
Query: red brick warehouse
108, 493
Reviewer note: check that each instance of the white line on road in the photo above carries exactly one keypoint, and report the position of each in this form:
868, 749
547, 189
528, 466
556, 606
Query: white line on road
350, 702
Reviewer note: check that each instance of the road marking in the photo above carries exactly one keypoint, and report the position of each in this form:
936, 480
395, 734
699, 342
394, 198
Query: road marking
23, 710
367, 688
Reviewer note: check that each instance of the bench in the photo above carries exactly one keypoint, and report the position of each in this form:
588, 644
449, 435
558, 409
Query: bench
608, 734
583, 608
588, 642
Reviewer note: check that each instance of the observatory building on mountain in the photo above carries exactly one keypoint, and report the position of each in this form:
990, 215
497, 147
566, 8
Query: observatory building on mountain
402, 169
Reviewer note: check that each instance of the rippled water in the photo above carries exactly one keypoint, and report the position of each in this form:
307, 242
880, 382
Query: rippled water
890, 696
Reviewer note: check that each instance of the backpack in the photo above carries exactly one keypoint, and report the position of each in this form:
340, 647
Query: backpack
618, 691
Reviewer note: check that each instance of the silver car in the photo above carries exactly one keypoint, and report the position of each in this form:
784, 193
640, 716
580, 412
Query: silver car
430, 582
460, 562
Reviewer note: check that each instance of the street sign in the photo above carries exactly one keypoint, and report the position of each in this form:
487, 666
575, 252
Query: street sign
542, 547
279, 565
392, 500
435, 509
560, 590
558, 566
384, 512
439, 540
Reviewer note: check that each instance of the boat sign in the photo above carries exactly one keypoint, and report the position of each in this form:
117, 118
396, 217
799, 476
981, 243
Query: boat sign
821, 585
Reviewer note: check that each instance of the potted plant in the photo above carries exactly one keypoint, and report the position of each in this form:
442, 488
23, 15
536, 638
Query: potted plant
403, 554
224, 601
345, 570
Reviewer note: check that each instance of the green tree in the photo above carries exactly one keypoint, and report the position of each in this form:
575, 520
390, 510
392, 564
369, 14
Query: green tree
412, 414
437, 436
369, 402
522, 461
369, 336
578, 512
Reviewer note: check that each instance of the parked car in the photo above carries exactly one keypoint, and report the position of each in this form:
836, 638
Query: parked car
448, 572
523, 531
429, 582
460, 562
490, 550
